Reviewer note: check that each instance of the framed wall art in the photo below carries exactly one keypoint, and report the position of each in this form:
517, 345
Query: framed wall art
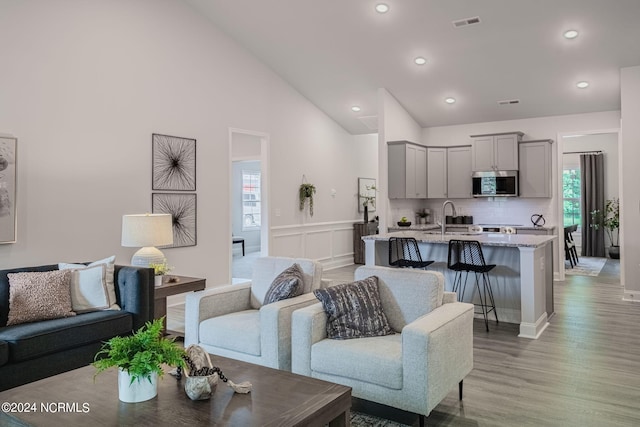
182, 208
8, 193
367, 194
174, 163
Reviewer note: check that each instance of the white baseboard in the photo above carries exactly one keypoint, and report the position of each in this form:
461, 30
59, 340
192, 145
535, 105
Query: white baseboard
633, 296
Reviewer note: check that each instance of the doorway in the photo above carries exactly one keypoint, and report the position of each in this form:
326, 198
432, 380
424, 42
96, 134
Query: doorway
571, 146
249, 197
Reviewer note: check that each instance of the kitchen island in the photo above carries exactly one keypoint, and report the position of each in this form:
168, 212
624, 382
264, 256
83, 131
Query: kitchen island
522, 281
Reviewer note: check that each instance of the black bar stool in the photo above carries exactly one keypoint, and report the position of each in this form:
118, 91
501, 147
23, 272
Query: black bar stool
404, 252
466, 256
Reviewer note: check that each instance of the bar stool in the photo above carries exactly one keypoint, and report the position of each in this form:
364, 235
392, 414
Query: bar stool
404, 252
570, 251
466, 256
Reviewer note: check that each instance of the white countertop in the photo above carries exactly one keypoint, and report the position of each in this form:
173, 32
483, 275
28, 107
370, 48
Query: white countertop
488, 239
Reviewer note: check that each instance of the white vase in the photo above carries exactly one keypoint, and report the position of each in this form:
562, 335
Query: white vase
138, 391
158, 280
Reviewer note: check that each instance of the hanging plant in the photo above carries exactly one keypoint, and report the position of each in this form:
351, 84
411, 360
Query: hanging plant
306, 192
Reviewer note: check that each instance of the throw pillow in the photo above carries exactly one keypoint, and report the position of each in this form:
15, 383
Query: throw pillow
287, 284
354, 310
92, 286
35, 296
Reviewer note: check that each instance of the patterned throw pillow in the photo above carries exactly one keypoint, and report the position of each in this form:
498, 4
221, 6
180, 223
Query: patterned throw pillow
354, 310
35, 296
287, 284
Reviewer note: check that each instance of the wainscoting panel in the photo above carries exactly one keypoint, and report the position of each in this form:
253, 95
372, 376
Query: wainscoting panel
330, 243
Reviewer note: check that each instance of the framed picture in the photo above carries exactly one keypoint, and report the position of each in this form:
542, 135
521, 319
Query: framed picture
367, 192
8, 220
174, 163
182, 208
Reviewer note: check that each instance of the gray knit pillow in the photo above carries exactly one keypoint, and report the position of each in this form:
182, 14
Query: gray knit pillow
287, 284
35, 296
354, 310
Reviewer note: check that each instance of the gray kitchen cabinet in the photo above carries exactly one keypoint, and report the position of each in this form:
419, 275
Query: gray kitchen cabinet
459, 172
449, 172
407, 169
535, 168
436, 173
495, 152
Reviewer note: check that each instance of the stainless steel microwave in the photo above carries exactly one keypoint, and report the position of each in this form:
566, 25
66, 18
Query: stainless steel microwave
495, 184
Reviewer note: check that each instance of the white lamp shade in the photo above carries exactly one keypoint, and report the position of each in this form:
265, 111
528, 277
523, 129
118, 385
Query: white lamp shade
147, 230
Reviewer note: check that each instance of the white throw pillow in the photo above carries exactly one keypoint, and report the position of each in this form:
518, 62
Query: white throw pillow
92, 286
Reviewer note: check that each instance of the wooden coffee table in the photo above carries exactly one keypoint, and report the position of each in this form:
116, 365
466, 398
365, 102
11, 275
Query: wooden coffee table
278, 398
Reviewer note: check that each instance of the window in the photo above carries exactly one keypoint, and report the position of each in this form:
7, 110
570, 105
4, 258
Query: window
571, 195
250, 200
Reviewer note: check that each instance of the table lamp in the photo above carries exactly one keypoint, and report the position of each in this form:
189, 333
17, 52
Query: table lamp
147, 231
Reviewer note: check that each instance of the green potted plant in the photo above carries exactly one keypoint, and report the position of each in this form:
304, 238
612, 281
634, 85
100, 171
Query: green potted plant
160, 270
305, 193
422, 215
139, 359
610, 221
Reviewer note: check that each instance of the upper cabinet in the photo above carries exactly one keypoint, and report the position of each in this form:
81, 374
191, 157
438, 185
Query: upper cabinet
459, 172
495, 152
449, 172
436, 173
535, 168
407, 170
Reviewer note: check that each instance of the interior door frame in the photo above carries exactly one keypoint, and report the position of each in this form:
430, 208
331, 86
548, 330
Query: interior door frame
560, 205
265, 224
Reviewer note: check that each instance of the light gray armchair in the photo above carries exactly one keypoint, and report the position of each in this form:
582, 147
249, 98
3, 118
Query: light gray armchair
414, 369
231, 321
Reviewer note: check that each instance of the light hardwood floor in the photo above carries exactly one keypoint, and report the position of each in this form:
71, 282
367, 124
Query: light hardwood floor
583, 371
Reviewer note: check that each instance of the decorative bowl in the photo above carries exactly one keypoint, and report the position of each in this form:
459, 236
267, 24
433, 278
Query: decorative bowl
404, 224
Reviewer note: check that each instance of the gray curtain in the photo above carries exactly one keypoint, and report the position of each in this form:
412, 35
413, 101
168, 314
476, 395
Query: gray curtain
592, 177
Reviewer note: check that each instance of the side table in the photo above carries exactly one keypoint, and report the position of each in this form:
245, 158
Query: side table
181, 285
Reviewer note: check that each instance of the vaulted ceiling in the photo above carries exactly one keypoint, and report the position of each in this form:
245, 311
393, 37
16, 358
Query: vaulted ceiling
337, 53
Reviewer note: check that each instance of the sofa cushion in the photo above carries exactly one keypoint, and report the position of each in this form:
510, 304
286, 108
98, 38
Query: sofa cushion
265, 269
4, 352
90, 291
287, 284
35, 296
31, 340
376, 360
406, 293
354, 310
239, 331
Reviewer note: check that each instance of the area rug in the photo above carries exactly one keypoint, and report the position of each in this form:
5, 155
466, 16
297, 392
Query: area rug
588, 266
359, 419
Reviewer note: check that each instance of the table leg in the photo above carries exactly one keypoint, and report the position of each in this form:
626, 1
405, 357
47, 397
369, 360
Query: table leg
342, 420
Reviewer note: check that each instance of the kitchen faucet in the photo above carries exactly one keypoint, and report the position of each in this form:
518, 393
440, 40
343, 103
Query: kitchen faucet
442, 221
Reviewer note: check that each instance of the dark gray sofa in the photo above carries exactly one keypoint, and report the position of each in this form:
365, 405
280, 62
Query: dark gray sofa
32, 351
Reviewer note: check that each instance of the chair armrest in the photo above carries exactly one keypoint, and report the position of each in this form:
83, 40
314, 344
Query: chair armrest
308, 326
437, 352
210, 303
325, 283
275, 329
449, 297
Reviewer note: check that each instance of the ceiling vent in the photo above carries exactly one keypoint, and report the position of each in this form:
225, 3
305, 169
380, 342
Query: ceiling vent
509, 102
371, 122
466, 22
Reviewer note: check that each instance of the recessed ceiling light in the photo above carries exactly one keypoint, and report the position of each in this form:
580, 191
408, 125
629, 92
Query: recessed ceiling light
355, 108
450, 100
382, 8
582, 85
420, 60
570, 34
